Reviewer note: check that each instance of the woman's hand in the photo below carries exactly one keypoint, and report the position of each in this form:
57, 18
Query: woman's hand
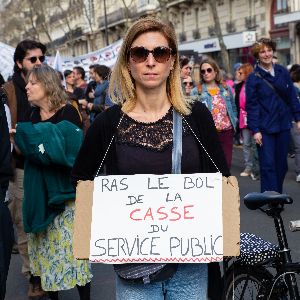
91, 94
298, 125
258, 138
83, 102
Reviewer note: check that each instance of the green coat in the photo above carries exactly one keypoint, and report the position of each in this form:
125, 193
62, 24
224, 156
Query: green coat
50, 151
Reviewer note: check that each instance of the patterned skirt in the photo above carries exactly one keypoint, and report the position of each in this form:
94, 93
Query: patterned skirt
51, 254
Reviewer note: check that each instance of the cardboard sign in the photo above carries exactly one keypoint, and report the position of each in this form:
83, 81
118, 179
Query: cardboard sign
157, 218
152, 218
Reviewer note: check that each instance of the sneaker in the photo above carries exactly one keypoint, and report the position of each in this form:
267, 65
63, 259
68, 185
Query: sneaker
245, 173
298, 178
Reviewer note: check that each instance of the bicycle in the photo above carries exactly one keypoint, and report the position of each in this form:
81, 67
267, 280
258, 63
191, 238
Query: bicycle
263, 270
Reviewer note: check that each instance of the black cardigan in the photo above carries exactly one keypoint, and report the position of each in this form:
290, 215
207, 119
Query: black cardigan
6, 172
104, 127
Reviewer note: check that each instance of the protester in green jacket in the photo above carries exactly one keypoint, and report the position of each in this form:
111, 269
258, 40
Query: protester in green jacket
49, 143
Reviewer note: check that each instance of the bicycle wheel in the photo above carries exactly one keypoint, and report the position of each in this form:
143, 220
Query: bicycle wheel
247, 283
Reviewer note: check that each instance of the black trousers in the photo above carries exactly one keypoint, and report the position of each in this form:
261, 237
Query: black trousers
6, 241
215, 281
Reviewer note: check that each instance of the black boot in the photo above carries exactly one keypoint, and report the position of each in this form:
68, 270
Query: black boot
84, 291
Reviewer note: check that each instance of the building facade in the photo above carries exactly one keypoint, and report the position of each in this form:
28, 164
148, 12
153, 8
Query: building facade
289, 17
76, 27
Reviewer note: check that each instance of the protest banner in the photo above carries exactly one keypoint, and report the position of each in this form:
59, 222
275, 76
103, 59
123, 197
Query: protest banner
105, 56
6, 60
157, 218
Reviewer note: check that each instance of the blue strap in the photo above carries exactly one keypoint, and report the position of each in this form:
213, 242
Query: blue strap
177, 143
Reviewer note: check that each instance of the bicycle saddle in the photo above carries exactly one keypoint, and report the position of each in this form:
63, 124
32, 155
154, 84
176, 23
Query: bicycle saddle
256, 200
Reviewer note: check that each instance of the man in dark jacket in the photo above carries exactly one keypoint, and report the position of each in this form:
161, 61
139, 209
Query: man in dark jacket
6, 228
28, 54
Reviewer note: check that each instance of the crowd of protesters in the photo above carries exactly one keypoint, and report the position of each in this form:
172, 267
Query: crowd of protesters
259, 107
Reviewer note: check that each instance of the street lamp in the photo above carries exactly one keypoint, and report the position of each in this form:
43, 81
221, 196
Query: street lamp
105, 24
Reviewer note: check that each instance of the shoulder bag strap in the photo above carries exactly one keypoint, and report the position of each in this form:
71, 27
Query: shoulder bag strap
177, 143
270, 85
200, 143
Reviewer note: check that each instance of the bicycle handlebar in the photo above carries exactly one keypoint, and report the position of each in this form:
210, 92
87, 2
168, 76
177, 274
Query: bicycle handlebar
295, 225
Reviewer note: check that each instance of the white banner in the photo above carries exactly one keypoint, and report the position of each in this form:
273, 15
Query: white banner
105, 56
6, 60
157, 218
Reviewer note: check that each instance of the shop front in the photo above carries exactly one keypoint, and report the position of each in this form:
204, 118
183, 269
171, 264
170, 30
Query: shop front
237, 45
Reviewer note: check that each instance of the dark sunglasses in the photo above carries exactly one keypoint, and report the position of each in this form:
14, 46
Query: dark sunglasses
208, 70
161, 54
33, 59
187, 83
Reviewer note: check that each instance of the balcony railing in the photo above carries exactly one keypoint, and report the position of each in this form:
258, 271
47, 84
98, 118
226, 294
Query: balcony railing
196, 34
72, 35
230, 27
182, 37
250, 22
211, 31
116, 16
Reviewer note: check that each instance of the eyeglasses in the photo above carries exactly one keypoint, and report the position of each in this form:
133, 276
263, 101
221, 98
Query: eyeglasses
208, 70
161, 54
185, 83
33, 59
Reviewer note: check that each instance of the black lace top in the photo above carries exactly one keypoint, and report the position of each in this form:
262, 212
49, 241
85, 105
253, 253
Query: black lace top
154, 136
146, 148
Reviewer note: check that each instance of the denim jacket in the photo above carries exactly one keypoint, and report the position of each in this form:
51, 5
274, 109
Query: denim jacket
226, 94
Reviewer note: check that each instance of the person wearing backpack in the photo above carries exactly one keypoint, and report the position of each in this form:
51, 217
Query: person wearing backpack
271, 106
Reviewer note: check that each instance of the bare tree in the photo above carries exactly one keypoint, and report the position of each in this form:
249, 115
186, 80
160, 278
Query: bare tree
11, 25
37, 15
65, 20
127, 7
224, 53
88, 11
66, 10
164, 11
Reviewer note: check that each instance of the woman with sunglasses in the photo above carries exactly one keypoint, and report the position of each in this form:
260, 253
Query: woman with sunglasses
188, 85
271, 106
49, 142
218, 97
136, 137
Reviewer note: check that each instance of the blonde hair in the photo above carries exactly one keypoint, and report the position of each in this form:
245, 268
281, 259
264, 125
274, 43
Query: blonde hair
122, 87
50, 81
